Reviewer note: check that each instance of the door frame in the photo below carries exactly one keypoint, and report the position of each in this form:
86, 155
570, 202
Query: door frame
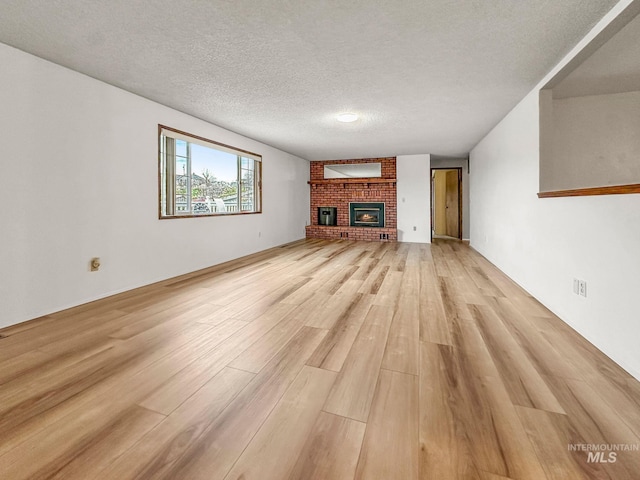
460, 206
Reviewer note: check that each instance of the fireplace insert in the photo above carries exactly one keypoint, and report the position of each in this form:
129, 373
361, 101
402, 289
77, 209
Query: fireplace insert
366, 214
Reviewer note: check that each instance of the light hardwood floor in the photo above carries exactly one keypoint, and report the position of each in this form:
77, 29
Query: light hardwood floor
316, 360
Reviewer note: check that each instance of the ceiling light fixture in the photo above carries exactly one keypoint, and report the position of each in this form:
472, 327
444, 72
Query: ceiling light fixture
347, 117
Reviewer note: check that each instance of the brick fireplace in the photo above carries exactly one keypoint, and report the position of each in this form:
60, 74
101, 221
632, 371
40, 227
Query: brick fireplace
343, 193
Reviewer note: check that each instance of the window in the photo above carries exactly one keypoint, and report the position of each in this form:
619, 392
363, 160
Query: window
200, 177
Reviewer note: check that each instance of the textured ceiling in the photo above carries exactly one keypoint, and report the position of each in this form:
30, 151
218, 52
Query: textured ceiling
425, 76
613, 68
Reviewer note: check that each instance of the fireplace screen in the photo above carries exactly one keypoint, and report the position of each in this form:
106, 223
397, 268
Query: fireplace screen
366, 214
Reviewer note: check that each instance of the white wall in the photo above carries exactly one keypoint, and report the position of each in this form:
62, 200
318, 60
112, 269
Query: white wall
79, 179
414, 189
544, 243
596, 142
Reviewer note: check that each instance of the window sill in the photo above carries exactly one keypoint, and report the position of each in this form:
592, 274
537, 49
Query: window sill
172, 217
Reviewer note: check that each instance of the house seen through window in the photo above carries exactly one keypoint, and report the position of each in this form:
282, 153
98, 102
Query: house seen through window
200, 177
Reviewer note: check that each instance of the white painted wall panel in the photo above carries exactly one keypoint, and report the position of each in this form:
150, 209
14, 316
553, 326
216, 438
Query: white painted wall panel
413, 190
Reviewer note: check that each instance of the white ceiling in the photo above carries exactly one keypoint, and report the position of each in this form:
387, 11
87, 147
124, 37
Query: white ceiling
613, 68
425, 76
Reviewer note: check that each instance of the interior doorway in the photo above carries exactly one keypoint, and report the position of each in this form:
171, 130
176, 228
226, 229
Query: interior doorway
446, 203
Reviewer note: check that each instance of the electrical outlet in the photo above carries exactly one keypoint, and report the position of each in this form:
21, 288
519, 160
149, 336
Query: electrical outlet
582, 288
414, 229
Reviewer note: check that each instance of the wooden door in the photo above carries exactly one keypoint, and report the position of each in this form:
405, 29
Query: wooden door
452, 203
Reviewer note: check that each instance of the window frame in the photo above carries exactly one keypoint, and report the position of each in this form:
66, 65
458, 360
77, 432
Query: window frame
240, 151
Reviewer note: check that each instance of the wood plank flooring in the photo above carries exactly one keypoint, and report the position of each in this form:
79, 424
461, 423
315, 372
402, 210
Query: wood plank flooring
316, 360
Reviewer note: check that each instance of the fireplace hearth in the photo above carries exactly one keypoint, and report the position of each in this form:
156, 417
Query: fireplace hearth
366, 214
